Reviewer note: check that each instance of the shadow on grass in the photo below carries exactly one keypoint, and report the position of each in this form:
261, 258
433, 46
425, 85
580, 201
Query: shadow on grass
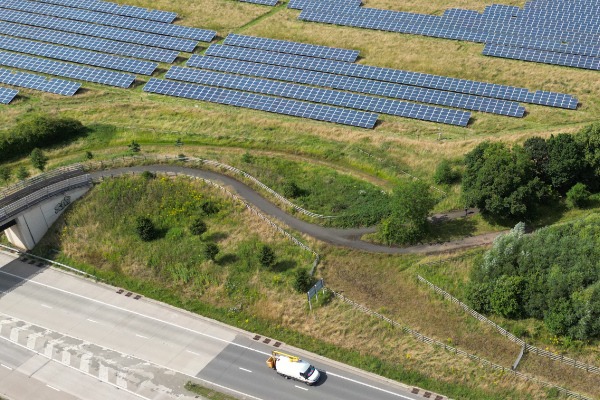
216, 237
441, 230
284, 265
228, 258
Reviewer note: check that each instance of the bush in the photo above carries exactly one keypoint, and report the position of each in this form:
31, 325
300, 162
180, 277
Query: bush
148, 175
444, 174
210, 251
302, 281
198, 227
38, 159
89, 155
134, 147
5, 173
266, 256
145, 229
22, 173
37, 131
209, 207
291, 190
578, 196
247, 158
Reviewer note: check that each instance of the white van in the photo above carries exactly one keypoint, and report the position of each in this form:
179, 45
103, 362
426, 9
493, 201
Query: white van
293, 367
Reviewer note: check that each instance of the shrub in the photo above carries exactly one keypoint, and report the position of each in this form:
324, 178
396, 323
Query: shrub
5, 173
198, 227
89, 155
148, 175
210, 251
37, 131
209, 207
266, 256
291, 190
134, 147
145, 229
578, 196
444, 174
302, 281
22, 173
38, 159
247, 158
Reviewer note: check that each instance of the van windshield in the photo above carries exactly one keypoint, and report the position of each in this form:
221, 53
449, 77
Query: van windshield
309, 371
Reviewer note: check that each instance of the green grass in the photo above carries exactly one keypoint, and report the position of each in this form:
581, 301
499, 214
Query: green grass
206, 392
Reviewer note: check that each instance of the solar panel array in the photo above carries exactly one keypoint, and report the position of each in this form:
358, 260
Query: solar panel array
283, 46
542, 28
37, 82
7, 95
113, 8
261, 2
264, 103
389, 75
59, 68
360, 85
78, 56
110, 19
325, 96
107, 32
89, 43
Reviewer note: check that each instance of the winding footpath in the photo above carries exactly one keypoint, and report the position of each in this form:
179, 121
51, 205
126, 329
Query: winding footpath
349, 238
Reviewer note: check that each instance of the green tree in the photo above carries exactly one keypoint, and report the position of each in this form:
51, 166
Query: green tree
444, 174
501, 182
506, 299
578, 196
145, 229
5, 173
22, 173
411, 204
198, 226
38, 159
566, 162
302, 281
134, 147
589, 139
210, 251
266, 256
537, 150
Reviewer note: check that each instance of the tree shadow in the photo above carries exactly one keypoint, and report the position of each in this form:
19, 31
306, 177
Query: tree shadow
444, 230
284, 265
228, 258
215, 236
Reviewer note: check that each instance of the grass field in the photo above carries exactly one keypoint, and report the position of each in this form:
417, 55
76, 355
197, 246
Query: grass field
341, 160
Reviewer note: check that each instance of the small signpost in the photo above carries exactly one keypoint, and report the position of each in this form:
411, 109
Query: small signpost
314, 291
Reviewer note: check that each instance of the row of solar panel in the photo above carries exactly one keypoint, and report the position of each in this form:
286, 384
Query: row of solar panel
58, 68
360, 85
395, 27
89, 43
324, 96
262, 2
7, 95
77, 56
118, 21
37, 82
113, 8
264, 103
388, 75
519, 53
107, 32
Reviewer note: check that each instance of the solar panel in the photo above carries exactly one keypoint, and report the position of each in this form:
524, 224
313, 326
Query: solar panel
7, 95
59, 68
106, 32
371, 72
302, 4
78, 56
324, 96
110, 19
113, 8
264, 103
547, 57
361, 85
261, 2
283, 46
38, 82
89, 43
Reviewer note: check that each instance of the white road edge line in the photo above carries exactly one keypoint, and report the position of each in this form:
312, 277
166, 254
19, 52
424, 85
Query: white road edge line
194, 353
52, 387
300, 387
46, 306
188, 330
91, 320
6, 366
143, 337
244, 369
369, 386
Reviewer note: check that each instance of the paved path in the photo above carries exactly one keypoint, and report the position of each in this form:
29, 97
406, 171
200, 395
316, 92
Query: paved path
349, 238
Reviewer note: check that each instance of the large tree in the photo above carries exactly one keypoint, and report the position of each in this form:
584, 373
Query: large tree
501, 182
589, 139
411, 204
566, 163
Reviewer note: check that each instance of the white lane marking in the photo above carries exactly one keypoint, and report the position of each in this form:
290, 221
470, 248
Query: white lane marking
369, 386
46, 306
143, 337
91, 320
244, 369
300, 387
194, 353
189, 330
6, 366
52, 387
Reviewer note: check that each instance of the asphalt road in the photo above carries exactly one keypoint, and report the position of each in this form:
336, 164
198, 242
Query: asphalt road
68, 325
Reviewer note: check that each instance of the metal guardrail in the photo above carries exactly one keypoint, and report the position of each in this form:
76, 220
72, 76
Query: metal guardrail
433, 342
527, 347
14, 188
22, 204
